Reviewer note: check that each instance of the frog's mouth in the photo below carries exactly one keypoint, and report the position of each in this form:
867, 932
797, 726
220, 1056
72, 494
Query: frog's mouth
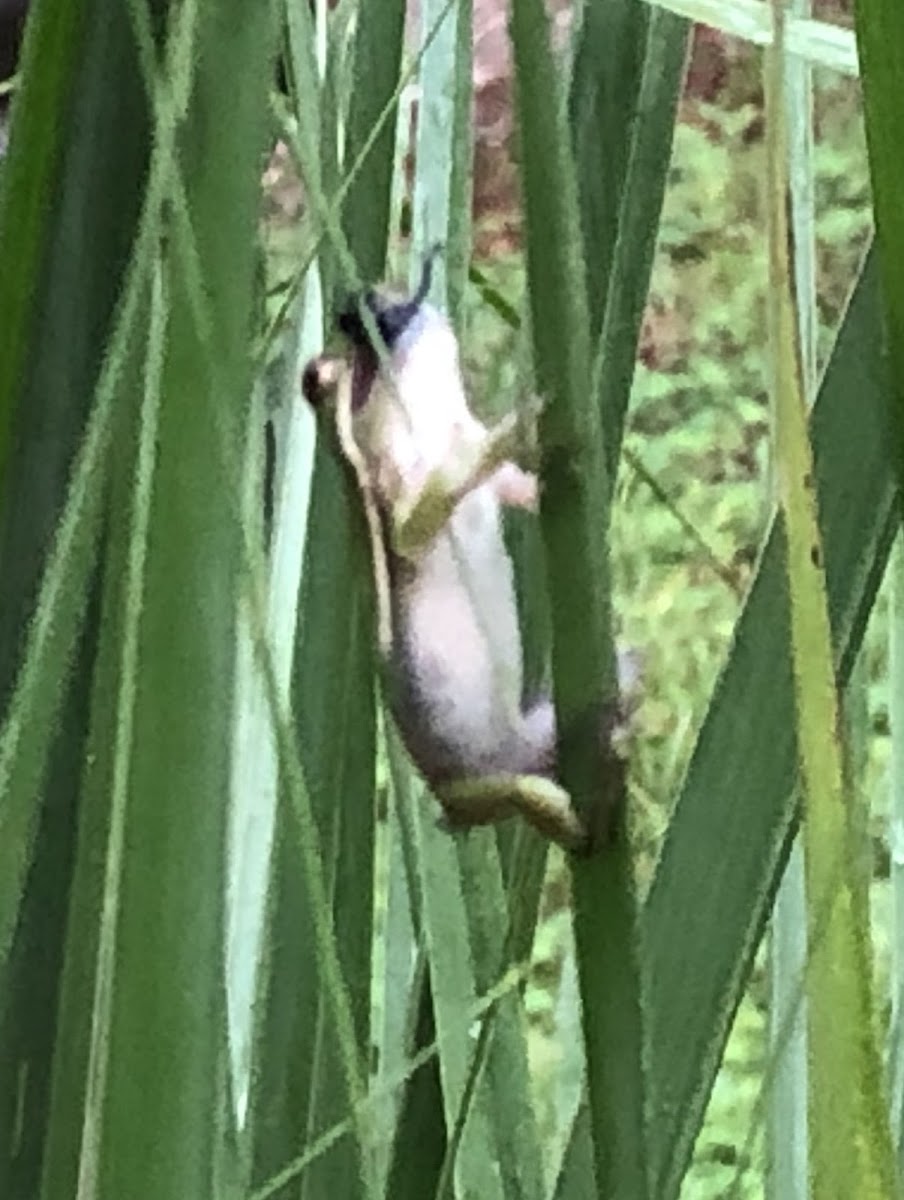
364, 372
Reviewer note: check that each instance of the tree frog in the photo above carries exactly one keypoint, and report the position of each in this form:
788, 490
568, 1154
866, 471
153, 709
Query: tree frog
433, 480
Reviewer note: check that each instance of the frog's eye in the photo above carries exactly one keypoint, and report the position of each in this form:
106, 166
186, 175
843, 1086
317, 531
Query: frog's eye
319, 379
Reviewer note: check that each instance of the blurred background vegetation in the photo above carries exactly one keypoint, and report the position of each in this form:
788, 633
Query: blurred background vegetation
693, 494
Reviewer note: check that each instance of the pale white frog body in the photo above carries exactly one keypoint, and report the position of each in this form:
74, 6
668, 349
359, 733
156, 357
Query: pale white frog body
455, 668
456, 671
433, 480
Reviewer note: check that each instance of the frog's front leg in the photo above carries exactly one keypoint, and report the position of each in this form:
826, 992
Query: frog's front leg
541, 801
515, 487
434, 494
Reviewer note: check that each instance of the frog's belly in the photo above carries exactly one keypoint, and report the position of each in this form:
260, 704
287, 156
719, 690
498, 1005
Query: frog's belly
456, 670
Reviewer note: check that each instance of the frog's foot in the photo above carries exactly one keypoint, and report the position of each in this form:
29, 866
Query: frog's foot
515, 487
468, 802
320, 379
541, 801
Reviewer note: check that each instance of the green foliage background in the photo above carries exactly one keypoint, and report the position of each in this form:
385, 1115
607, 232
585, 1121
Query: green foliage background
172, 670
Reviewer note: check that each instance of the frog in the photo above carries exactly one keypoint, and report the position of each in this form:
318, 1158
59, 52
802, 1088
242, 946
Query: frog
434, 480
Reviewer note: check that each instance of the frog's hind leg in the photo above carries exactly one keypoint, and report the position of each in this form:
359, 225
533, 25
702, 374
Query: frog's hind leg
540, 800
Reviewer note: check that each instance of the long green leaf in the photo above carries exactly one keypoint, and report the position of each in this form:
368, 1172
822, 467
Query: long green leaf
850, 1143
377, 59
730, 832
31, 177
465, 911
256, 758
71, 190
880, 43
607, 77
160, 1043
880, 40
454, 989
575, 516
333, 676
896, 714
647, 110
788, 1151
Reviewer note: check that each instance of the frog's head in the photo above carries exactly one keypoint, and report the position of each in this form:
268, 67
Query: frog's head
397, 319
405, 367
401, 323
405, 391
